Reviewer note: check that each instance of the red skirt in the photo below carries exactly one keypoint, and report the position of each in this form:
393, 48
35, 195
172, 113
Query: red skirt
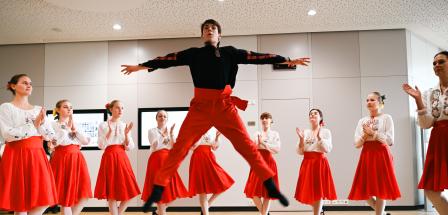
71, 175
435, 172
116, 180
375, 174
26, 179
315, 180
254, 185
206, 176
175, 189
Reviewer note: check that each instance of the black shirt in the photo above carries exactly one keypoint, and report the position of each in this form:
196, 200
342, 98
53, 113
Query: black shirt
211, 67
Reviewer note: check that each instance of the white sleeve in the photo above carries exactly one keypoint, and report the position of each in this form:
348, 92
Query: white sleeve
149, 137
216, 142
46, 130
359, 133
299, 150
325, 140
83, 138
131, 143
2, 141
10, 133
59, 134
152, 140
424, 117
102, 131
386, 136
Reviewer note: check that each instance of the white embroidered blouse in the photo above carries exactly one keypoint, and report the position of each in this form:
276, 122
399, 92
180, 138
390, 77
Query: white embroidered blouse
382, 124
271, 141
157, 141
436, 107
117, 136
312, 144
64, 136
17, 124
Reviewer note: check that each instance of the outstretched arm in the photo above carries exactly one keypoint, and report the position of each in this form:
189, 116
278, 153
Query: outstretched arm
173, 59
249, 57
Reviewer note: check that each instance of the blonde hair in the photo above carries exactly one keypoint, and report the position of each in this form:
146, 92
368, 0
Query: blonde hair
110, 105
57, 106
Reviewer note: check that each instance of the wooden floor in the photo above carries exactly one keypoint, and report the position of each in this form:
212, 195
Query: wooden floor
281, 213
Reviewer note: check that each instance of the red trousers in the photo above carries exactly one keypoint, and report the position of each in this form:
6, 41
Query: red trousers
216, 108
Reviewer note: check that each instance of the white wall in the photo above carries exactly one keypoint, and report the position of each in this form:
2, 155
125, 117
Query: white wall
17, 59
345, 67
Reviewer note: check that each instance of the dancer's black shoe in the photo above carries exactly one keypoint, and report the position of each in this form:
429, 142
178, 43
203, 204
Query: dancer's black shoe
274, 192
155, 196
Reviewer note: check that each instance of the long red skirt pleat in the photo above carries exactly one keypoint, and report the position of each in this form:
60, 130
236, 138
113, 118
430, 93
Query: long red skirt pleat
71, 175
175, 188
206, 175
375, 174
435, 172
116, 180
254, 185
26, 178
315, 180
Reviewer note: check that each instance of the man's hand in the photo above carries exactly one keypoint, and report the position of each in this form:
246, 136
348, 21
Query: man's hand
304, 61
128, 69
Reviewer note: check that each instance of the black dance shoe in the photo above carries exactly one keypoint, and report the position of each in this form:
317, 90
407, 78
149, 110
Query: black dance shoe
274, 192
155, 196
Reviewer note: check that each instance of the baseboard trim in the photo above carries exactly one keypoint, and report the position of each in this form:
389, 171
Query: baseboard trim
174, 209
326, 208
367, 208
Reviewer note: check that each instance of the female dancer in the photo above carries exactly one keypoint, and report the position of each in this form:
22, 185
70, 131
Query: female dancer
161, 141
315, 181
432, 110
268, 142
68, 164
206, 176
26, 179
116, 180
375, 175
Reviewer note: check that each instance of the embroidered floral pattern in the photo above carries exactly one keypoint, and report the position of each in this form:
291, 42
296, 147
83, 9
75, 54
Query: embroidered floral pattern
372, 123
435, 95
310, 140
436, 107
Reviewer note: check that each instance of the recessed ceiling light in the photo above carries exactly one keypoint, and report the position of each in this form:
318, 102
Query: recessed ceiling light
220, 0
116, 27
311, 12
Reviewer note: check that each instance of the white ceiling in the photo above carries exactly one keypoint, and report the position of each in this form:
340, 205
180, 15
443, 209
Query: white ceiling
46, 21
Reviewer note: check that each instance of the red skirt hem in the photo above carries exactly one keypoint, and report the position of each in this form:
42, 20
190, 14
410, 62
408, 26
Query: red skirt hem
175, 189
435, 172
116, 179
71, 175
205, 174
315, 180
254, 185
375, 174
26, 178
